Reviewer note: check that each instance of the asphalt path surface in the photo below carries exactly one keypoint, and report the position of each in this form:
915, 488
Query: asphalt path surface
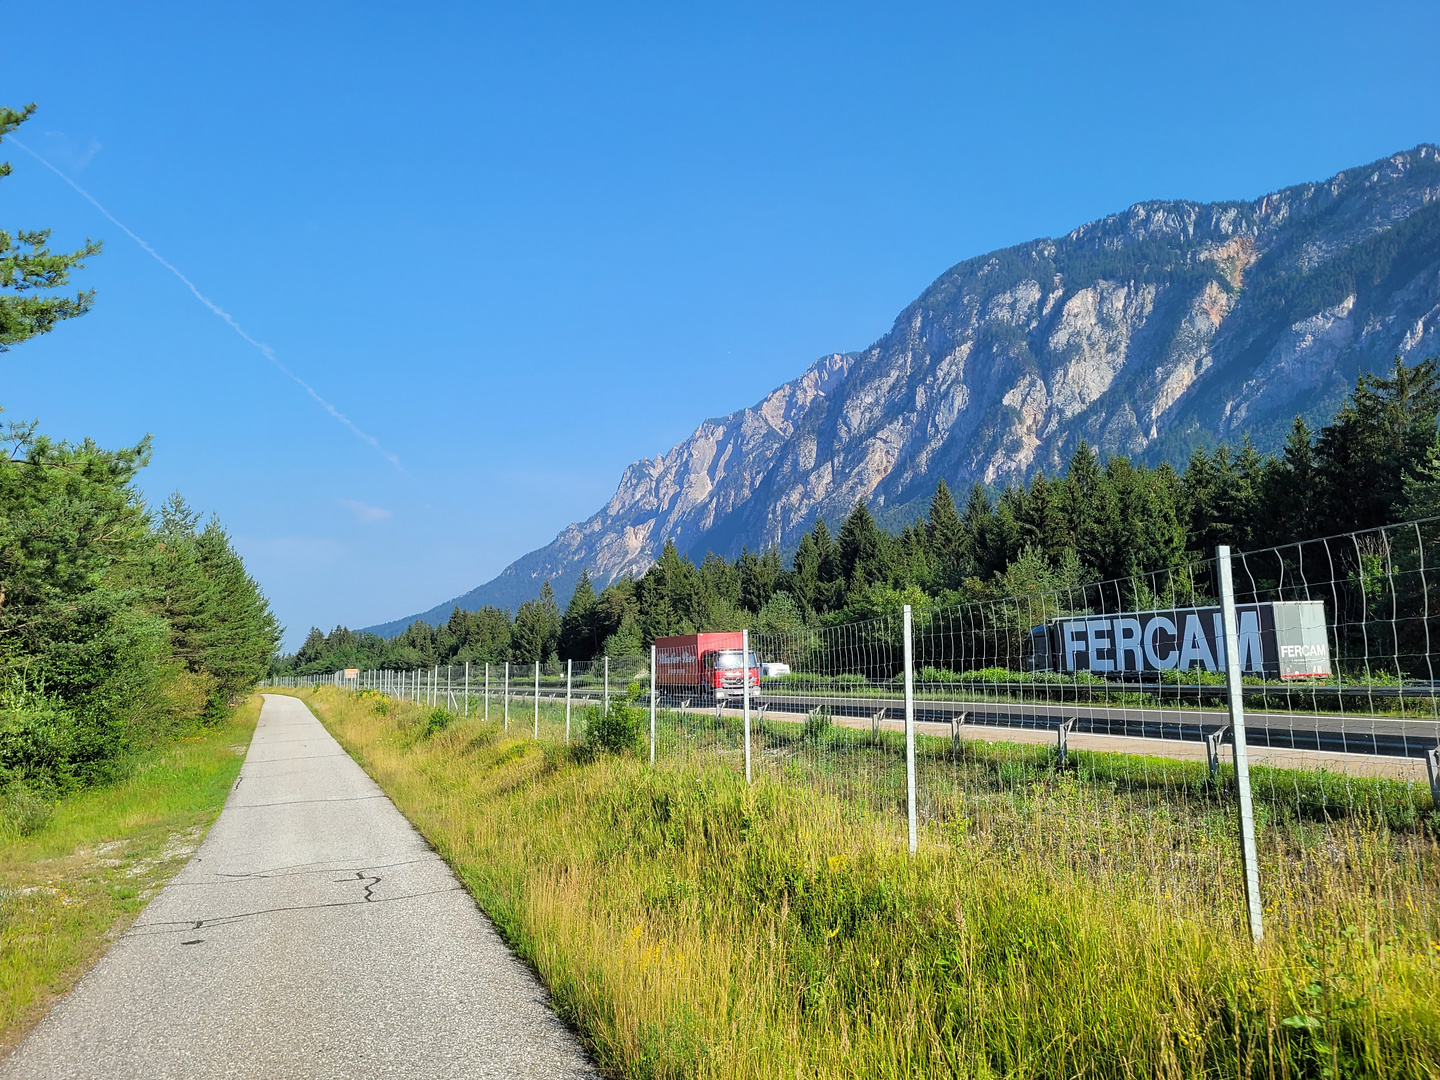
314, 934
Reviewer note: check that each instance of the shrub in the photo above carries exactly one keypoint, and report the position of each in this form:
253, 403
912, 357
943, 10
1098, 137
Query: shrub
378, 702
22, 811
817, 726
37, 742
619, 729
438, 721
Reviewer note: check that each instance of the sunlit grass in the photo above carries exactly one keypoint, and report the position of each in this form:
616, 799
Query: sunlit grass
70, 888
1055, 924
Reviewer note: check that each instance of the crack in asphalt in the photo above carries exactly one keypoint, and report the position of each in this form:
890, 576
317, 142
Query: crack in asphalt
298, 757
298, 870
168, 926
360, 875
303, 802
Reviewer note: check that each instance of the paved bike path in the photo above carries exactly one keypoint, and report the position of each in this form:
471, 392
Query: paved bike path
314, 934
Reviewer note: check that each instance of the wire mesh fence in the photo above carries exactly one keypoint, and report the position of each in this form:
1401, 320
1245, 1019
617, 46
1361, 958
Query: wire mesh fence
1261, 749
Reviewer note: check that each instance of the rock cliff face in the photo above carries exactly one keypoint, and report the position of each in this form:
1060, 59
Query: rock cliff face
1146, 333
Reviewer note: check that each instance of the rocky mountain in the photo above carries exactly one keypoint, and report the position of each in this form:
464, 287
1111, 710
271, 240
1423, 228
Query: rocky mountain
1146, 333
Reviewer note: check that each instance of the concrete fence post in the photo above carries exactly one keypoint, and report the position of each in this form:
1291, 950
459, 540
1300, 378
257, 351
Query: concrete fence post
1248, 859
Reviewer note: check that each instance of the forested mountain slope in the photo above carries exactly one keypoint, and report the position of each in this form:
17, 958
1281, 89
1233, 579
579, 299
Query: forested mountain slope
1170, 325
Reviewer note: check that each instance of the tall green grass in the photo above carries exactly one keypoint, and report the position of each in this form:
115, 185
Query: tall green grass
690, 925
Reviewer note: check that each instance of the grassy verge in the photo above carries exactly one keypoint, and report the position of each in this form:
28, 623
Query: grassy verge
72, 885
689, 925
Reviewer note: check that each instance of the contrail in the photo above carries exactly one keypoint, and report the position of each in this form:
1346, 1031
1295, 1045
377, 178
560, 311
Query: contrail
265, 350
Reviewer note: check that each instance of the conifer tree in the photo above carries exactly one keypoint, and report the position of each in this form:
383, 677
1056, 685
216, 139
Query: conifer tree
861, 548
579, 637
1382, 434
536, 634
978, 525
28, 267
946, 535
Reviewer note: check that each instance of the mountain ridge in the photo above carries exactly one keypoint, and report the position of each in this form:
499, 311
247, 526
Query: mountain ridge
1168, 325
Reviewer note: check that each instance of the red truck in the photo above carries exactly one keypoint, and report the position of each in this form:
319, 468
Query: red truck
708, 666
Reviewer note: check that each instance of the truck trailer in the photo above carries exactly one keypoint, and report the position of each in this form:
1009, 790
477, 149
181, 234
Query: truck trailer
705, 666
1284, 639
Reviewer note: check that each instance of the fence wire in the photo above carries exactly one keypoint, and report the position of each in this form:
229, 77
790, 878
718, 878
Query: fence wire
1088, 726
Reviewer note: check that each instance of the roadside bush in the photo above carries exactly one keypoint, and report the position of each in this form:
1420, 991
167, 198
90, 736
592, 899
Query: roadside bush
37, 742
23, 812
438, 721
617, 730
817, 726
379, 703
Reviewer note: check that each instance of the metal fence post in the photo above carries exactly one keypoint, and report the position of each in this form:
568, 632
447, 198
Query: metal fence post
1237, 740
652, 704
487, 691
607, 684
467, 687
537, 699
507, 695
745, 694
910, 731
569, 672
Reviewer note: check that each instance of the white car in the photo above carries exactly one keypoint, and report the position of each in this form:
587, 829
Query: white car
771, 671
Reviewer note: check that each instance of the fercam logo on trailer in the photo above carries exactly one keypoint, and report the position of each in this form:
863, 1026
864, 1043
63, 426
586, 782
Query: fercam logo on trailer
1284, 639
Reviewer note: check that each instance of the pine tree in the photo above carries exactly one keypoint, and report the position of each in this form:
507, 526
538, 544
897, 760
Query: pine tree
1382, 434
579, 637
946, 536
759, 577
536, 634
861, 549
977, 546
1293, 488
27, 265
1083, 499
241, 633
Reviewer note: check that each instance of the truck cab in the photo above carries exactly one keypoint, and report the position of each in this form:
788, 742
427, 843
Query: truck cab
725, 674
708, 666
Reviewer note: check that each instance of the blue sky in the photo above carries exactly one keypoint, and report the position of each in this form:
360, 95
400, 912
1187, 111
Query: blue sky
522, 246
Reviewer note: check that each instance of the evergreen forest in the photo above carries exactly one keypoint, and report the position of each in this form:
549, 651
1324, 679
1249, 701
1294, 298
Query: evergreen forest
1377, 462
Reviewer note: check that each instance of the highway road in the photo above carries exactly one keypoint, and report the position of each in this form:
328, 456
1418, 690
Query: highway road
314, 934
1355, 733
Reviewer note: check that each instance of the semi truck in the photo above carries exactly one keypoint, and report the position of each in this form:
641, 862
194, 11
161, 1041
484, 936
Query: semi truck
708, 667
1284, 639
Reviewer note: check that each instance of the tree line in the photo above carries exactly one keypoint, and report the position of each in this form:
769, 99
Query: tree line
120, 624
1376, 462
